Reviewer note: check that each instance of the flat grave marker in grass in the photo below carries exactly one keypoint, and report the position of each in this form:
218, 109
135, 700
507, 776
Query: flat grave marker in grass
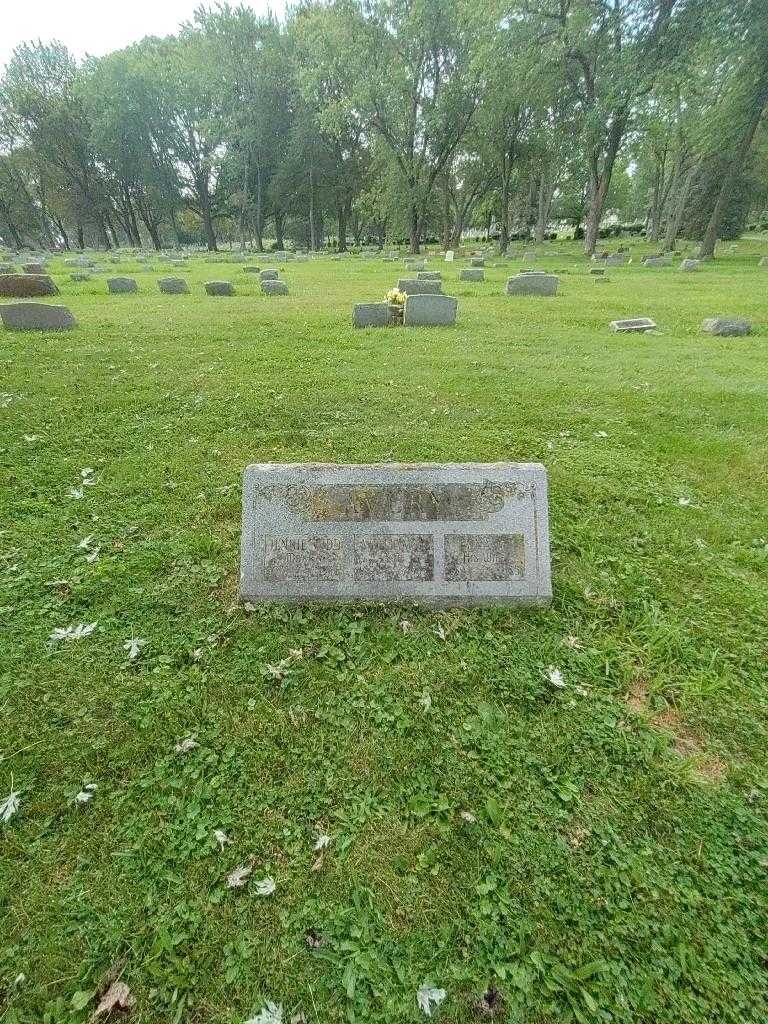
451, 534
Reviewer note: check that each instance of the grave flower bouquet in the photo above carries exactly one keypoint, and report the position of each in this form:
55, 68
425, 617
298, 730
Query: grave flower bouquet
395, 298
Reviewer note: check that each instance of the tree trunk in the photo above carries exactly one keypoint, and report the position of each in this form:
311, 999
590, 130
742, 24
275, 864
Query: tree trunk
447, 219
712, 232
504, 220
341, 216
677, 212
546, 192
415, 231
259, 218
279, 224
205, 208
80, 237
312, 226
600, 182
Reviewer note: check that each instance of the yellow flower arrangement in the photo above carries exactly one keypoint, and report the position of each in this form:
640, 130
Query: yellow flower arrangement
395, 298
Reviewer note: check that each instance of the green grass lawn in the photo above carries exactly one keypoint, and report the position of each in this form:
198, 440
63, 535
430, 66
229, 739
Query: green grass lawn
611, 860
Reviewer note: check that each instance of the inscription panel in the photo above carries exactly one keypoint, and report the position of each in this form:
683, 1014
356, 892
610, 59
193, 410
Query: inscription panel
484, 556
449, 534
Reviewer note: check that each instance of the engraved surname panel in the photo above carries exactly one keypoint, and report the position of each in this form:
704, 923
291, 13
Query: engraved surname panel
439, 534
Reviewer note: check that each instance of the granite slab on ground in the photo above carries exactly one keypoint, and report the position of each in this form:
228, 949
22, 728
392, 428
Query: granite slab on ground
36, 316
727, 326
437, 534
430, 311
533, 283
26, 286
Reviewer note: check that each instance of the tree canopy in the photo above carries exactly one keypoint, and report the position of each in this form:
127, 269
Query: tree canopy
404, 120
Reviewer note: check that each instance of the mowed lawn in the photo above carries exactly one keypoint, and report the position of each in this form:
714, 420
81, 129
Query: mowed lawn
593, 852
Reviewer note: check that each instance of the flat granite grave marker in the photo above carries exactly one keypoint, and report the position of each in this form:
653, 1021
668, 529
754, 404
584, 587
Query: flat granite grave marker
273, 287
419, 286
472, 274
173, 286
121, 285
371, 314
26, 286
532, 283
430, 311
441, 535
219, 288
638, 325
36, 316
727, 326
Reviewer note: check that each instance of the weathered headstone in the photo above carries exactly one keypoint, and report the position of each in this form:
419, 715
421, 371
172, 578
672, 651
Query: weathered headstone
597, 271
449, 256
441, 535
269, 275
173, 286
638, 325
533, 284
414, 266
430, 311
472, 274
689, 265
658, 261
219, 288
727, 327
371, 314
251, 270
429, 275
418, 286
36, 316
477, 261
121, 285
274, 287
26, 286
79, 276
617, 260
33, 268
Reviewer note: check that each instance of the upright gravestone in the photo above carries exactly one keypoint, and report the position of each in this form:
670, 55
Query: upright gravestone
36, 316
430, 311
449, 256
121, 285
371, 314
472, 274
442, 535
33, 268
269, 275
219, 288
418, 286
533, 284
26, 286
269, 287
173, 286
727, 326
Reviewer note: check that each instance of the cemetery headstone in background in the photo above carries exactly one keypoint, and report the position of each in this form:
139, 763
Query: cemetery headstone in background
443, 535
173, 286
533, 284
371, 314
26, 286
727, 327
269, 287
121, 285
219, 288
36, 316
430, 311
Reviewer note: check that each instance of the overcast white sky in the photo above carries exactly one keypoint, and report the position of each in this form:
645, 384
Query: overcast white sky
98, 26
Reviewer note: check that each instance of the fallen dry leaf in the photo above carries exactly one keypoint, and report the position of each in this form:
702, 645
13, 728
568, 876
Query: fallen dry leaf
117, 997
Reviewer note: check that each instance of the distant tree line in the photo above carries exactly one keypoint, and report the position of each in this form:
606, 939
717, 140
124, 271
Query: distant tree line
378, 120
